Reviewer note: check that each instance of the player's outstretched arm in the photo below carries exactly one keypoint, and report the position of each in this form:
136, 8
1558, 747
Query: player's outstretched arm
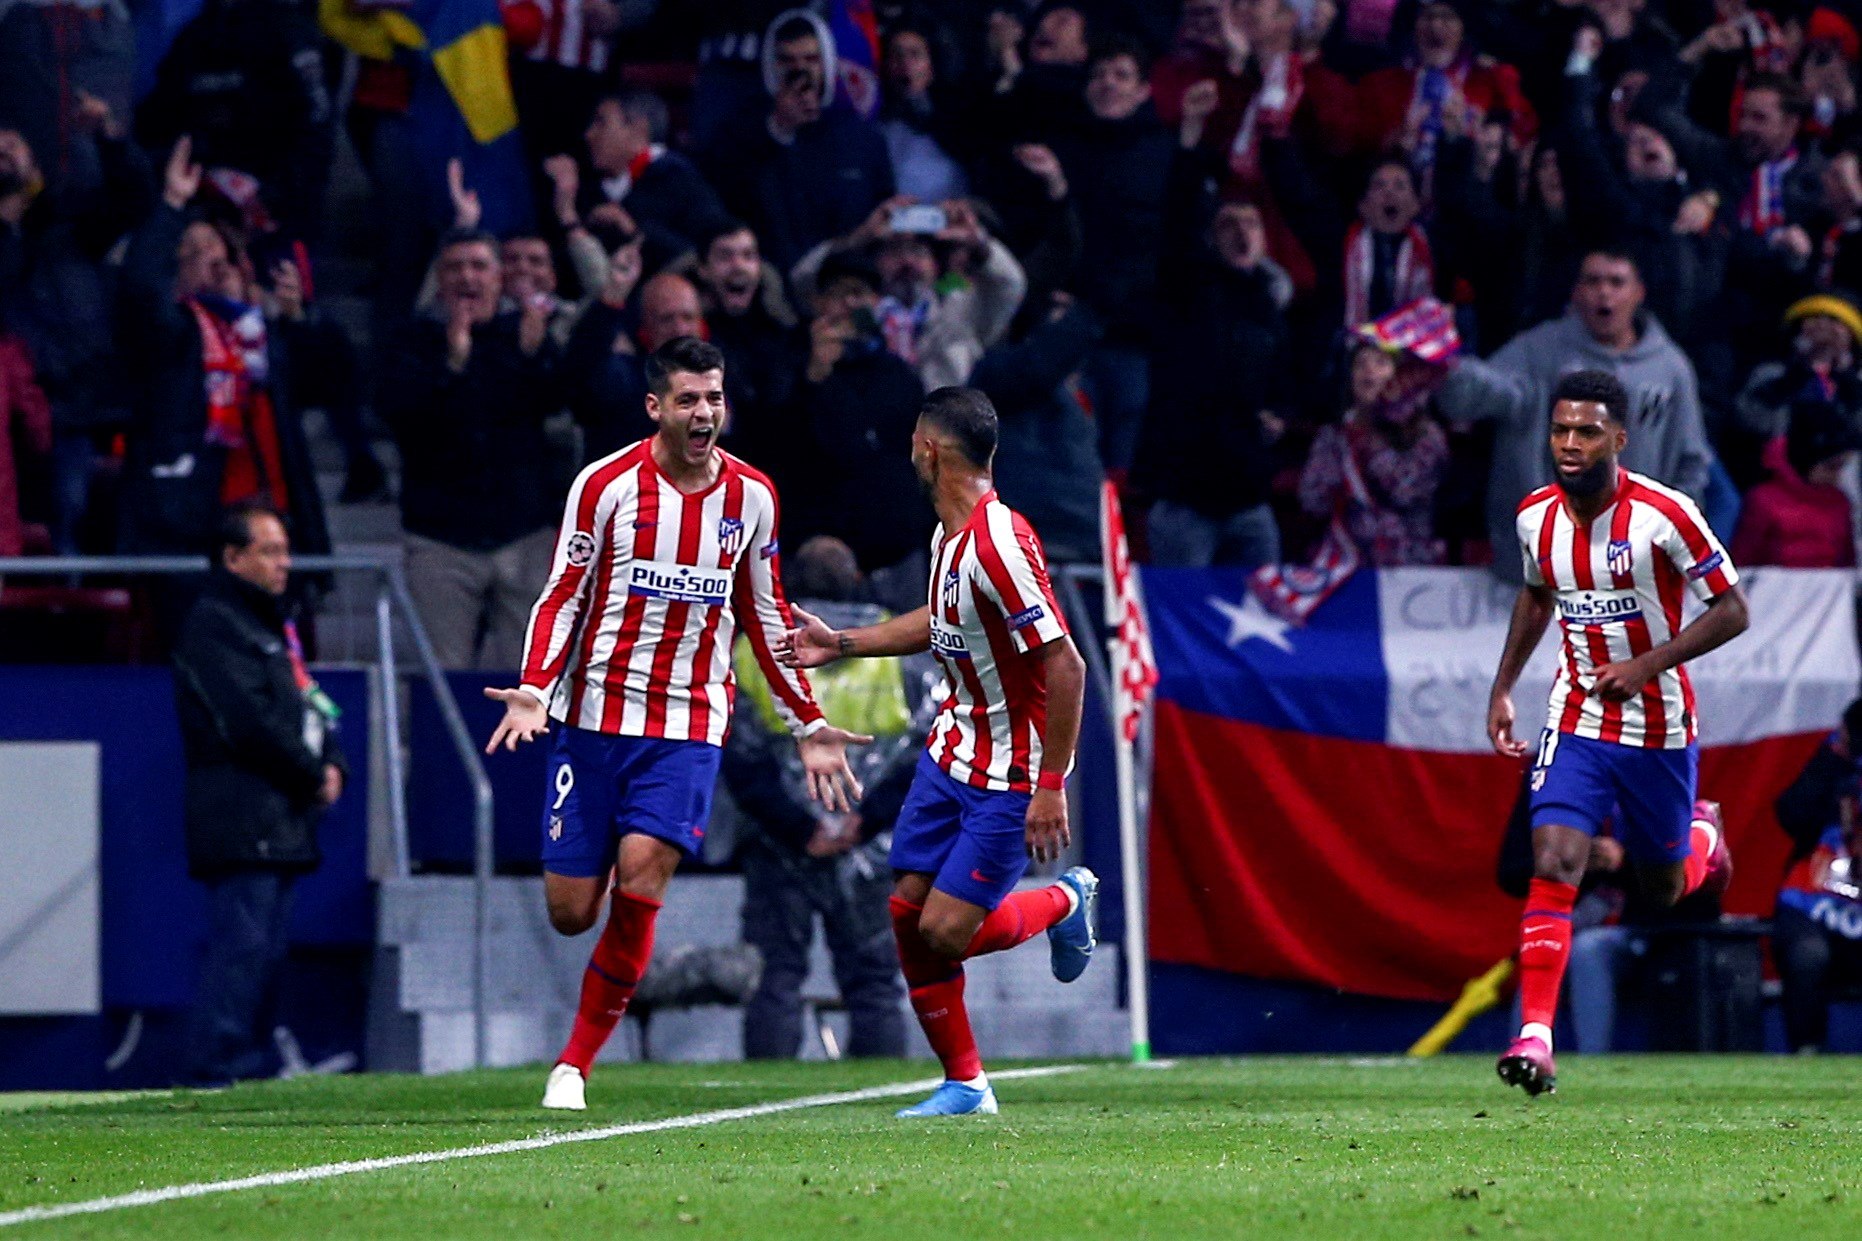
1065, 675
1727, 616
812, 644
1532, 612
525, 719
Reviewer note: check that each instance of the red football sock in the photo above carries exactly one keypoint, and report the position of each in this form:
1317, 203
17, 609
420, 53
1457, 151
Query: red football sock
1702, 839
1018, 919
936, 984
614, 969
1544, 947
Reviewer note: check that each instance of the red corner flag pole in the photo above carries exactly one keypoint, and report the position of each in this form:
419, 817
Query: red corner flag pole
1134, 674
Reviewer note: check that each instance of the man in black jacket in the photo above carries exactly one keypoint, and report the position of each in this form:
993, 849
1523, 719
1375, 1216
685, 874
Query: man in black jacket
467, 398
660, 190
262, 764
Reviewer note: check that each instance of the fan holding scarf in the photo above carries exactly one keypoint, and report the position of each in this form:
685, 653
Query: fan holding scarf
213, 425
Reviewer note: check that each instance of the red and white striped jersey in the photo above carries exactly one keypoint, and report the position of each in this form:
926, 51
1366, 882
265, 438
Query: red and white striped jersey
991, 605
1620, 582
566, 38
633, 633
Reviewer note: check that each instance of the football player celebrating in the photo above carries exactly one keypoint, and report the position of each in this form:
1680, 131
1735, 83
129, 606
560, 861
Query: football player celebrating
989, 792
666, 548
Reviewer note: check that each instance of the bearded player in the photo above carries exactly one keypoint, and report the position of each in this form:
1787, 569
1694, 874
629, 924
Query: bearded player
666, 548
1614, 553
990, 789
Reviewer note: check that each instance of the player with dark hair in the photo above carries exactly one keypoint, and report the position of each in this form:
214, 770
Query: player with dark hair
1614, 552
989, 792
666, 547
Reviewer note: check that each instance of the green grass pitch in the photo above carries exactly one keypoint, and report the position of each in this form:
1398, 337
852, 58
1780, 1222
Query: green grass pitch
1630, 1147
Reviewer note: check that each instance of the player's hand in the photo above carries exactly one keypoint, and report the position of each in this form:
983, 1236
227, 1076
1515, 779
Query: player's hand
830, 780
525, 719
1500, 727
810, 645
1621, 681
1048, 835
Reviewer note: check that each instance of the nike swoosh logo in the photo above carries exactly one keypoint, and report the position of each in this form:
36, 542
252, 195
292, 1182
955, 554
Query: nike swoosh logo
980, 877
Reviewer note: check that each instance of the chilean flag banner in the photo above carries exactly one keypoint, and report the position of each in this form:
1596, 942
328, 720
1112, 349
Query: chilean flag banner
1326, 807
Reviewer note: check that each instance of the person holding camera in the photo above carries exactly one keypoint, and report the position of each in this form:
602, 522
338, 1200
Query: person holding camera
948, 290
846, 463
263, 764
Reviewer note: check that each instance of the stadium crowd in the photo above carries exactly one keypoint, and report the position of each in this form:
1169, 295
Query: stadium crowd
1281, 266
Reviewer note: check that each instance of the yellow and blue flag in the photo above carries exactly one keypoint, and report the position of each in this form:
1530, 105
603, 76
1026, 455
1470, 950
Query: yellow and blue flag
462, 106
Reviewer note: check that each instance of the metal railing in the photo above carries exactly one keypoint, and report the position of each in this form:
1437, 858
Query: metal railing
392, 596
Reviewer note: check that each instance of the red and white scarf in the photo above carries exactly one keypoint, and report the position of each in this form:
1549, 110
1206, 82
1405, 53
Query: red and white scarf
1414, 276
239, 413
1282, 84
1763, 208
619, 186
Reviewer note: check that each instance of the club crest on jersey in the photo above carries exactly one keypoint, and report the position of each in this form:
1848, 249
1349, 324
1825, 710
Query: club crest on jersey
731, 535
580, 549
1617, 556
953, 583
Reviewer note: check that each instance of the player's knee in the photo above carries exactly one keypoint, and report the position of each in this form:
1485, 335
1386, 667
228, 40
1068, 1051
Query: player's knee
1558, 861
1664, 888
571, 919
946, 936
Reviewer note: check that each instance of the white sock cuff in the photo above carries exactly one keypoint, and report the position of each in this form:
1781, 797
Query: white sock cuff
1538, 1030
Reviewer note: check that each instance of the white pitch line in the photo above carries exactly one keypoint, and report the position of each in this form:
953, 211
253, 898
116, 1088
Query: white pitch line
325, 1171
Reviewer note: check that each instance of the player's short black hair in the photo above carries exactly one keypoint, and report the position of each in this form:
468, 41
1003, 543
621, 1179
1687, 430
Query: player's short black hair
1598, 387
233, 532
968, 417
686, 354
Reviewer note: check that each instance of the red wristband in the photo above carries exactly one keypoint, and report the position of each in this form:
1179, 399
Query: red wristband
1053, 781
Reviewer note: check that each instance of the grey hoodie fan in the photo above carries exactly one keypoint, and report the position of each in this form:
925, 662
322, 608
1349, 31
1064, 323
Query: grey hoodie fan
1667, 439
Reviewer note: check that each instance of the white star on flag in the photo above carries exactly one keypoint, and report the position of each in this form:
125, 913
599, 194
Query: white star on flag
1248, 619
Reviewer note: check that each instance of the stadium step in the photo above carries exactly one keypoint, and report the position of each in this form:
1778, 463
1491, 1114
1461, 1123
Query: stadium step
421, 996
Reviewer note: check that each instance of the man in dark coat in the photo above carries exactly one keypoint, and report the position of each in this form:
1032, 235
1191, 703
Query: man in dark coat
467, 399
263, 764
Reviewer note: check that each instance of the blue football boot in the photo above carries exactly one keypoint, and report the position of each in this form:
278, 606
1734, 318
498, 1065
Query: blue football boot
954, 1099
1070, 941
